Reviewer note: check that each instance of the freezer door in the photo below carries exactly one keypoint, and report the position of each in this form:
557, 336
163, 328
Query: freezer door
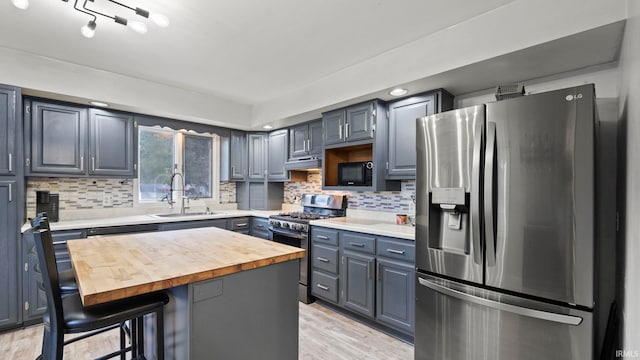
539, 195
460, 322
448, 190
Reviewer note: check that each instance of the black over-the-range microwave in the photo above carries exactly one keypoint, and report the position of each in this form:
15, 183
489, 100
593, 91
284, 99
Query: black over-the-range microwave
355, 173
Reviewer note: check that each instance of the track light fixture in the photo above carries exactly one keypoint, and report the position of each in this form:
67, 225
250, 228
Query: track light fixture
89, 29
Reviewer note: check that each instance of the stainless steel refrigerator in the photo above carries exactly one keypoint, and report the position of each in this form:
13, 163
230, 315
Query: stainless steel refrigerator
505, 241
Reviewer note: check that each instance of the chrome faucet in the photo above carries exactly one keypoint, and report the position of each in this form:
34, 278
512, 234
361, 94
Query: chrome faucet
171, 191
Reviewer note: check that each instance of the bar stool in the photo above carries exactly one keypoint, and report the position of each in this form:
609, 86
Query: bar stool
66, 277
66, 314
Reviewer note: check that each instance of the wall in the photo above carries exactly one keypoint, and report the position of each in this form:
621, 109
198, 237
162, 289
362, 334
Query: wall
387, 201
84, 198
629, 178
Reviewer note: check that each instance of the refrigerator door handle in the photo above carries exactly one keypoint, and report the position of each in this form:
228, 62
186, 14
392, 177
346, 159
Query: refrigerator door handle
488, 194
538, 314
475, 195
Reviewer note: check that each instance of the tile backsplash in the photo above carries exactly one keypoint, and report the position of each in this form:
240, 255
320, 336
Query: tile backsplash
389, 201
82, 193
89, 194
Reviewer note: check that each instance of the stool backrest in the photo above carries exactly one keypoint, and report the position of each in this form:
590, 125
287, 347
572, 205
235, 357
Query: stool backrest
47, 260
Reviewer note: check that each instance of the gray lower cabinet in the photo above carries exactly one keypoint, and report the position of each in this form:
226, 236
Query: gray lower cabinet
401, 153
278, 155
241, 225
9, 107
358, 284
260, 227
370, 275
71, 140
9, 316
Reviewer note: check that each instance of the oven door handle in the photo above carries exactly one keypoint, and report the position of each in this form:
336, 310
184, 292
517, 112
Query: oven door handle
288, 234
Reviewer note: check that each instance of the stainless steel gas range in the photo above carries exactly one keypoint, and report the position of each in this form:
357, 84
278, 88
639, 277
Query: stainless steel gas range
293, 229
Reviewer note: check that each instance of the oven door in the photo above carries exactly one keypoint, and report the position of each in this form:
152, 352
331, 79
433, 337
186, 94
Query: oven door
297, 239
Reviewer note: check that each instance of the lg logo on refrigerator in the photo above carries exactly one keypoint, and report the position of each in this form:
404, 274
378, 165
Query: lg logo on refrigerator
573, 97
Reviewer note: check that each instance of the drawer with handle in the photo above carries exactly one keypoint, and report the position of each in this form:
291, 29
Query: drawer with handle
358, 242
404, 250
239, 224
324, 286
323, 235
325, 258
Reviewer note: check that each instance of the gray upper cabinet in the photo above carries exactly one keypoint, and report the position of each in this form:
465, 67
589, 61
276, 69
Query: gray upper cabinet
401, 155
58, 138
305, 140
68, 140
333, 127
233, 157
8, 110
8, 254
360, 122
354, 123
257, 156
111, 144
277, 155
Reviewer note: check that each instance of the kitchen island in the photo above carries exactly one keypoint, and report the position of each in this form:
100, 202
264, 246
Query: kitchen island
232, 295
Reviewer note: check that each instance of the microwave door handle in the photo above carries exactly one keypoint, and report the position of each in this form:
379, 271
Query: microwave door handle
489, 170
475, 195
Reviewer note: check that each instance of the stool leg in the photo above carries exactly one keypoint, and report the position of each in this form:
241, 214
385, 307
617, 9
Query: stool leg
160, 333
141, 336
122, 342
134, 337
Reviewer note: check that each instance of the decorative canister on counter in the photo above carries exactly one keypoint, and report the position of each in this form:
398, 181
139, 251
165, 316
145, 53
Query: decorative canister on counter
401, 219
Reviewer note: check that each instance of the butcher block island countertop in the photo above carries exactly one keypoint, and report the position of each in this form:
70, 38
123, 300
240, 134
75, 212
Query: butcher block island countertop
114, 267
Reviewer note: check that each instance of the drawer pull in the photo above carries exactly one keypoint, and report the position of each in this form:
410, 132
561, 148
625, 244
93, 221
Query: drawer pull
241, 224
356, 244
322, 287
322, 237
260, 225
394, 251
323, 259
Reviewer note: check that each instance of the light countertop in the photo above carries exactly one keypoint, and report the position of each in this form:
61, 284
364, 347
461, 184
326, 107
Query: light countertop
150, 219
115, 267
369, 226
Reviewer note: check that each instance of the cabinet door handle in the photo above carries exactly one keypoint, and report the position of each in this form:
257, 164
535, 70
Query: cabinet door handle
378, 271
81, 163
308, 144
325, 288
368, 270
346, 130
340, 132
233, 170
10, 193
10, 162
325, 260
356, 244
322, 237
241, 224
394, 251
260, 225
93, 163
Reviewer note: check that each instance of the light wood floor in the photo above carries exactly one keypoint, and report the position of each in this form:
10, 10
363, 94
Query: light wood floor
324, 335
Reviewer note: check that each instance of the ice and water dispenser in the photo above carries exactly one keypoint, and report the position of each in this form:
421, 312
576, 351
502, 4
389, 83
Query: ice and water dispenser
449, 219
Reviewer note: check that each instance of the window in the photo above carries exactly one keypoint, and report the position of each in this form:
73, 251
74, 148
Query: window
163, 152
197, 165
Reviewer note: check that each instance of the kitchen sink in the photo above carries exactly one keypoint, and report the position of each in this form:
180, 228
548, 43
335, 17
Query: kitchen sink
172, 215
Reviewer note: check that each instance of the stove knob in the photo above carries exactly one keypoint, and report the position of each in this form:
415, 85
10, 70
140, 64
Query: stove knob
300, 227
274, 223
285, 225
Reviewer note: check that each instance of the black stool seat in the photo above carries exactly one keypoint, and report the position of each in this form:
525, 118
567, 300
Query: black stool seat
67, 281
81, 319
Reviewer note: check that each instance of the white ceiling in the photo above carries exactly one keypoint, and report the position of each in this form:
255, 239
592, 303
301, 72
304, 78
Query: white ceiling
253, 52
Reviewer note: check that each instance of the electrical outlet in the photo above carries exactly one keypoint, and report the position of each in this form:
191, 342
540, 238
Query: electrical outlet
107, 199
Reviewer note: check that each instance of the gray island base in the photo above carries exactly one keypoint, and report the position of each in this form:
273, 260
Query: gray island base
250, 314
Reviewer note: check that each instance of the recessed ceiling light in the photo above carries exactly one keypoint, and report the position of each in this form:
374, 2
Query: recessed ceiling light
267, 126
98, 103
398, 92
